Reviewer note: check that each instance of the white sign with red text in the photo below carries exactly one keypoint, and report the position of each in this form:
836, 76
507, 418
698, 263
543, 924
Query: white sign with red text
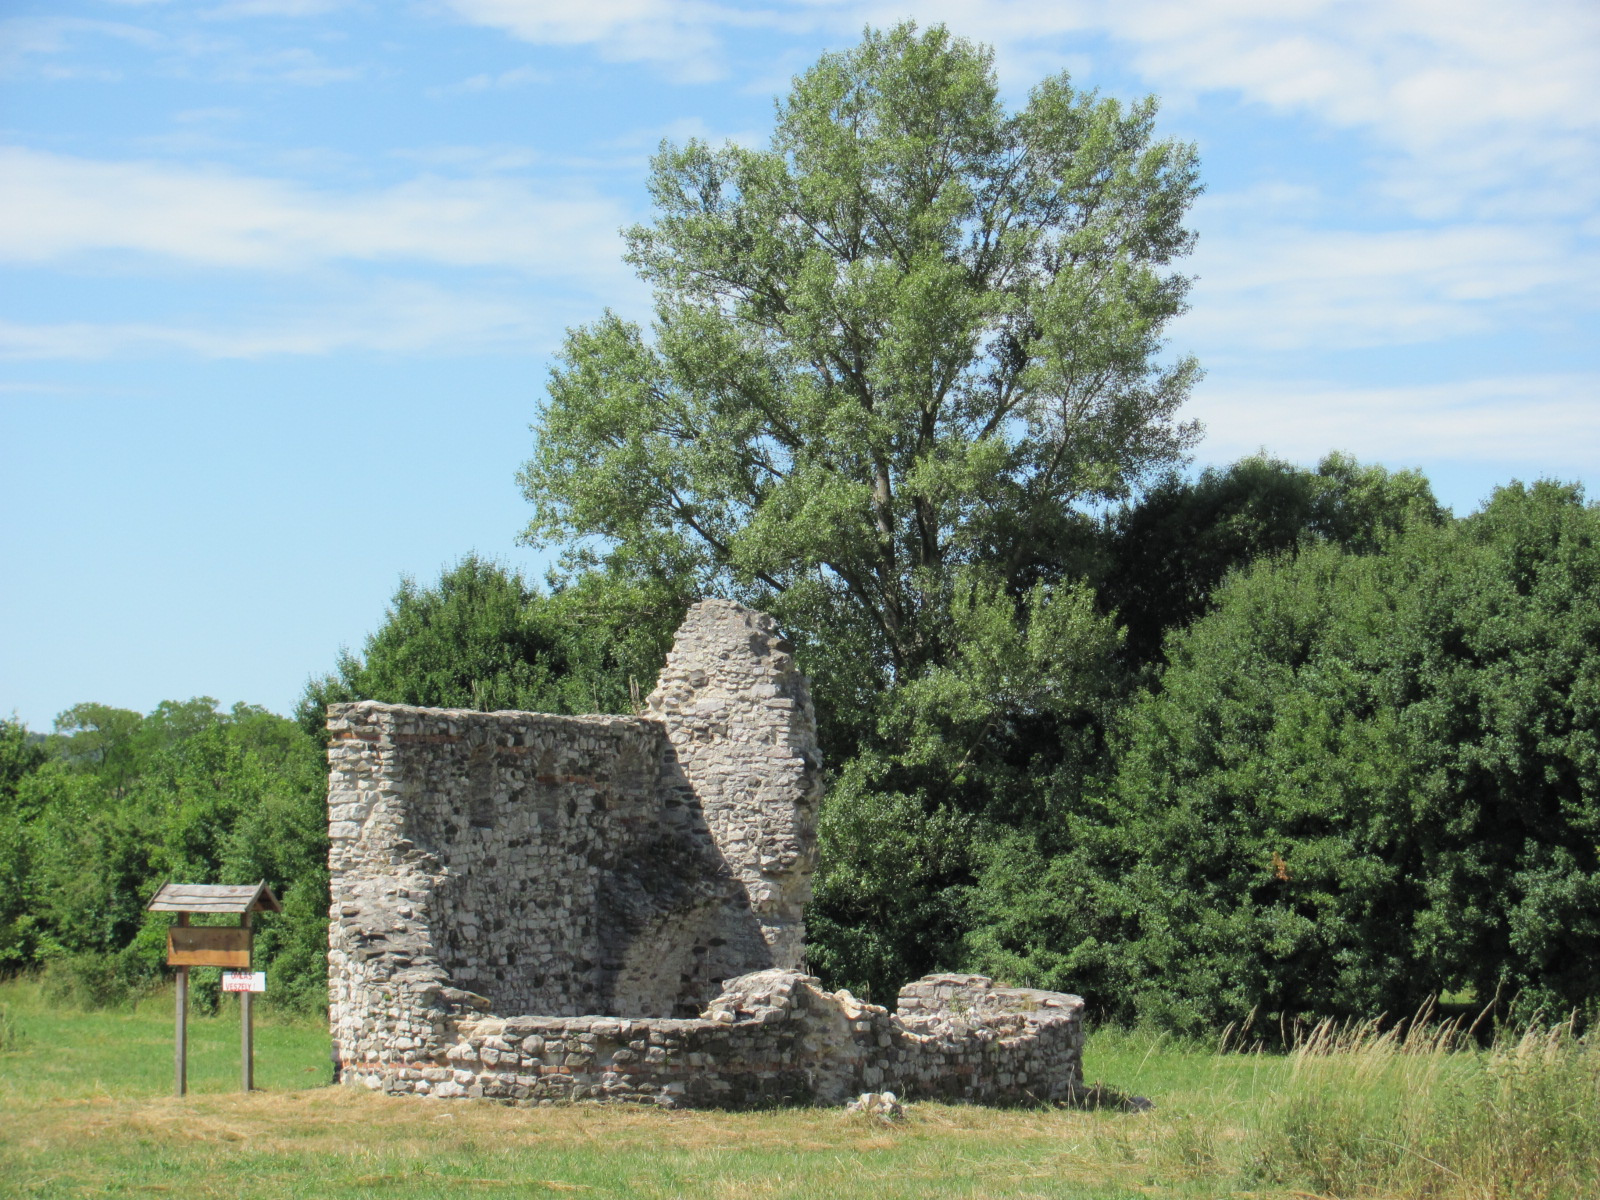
244, 981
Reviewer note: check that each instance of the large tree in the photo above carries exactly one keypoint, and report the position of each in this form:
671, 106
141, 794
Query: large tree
896, 356
906, 338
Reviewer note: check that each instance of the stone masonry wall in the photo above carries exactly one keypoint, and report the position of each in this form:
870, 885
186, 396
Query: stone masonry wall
738, 714
639, 884
525, 862
774, 1037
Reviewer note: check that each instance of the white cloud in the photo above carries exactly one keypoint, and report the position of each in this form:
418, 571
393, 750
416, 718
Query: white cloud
275, 8
1550, 421
294, 64
56, 48
55, 207
678, 35
626, 30
1285, 288
26, 39
682, 130
516, 77
321, 244
388, 316
476, 160
22, 387
1483, 106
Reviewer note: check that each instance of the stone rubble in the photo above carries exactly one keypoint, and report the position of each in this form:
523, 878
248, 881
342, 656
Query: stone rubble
885, 1106
640, 883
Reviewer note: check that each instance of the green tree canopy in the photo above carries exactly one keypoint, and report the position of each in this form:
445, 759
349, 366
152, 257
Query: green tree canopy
1168, 552
891, 352
485, 638
20, 754
1363, 780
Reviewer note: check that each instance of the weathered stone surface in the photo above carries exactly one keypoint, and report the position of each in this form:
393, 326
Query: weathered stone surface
638, 882
738, 715
781, 1040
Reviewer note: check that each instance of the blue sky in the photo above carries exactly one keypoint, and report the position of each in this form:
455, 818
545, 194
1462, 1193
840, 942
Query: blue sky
281, 278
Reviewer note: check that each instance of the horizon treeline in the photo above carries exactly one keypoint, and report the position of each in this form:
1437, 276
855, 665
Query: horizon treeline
1291, 742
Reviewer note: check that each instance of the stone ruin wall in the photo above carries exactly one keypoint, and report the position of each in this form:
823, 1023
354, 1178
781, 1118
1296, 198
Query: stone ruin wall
772, 1037
737, 714
639, 884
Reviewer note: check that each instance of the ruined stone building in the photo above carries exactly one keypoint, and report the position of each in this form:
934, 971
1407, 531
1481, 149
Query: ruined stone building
537, 907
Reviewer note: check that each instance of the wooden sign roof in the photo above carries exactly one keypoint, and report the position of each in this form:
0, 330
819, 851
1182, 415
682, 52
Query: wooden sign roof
214, 898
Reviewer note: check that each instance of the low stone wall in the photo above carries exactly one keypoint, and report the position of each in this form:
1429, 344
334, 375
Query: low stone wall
773, 1037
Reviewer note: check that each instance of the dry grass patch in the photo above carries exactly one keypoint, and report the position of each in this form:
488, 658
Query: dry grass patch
339, 1142
1354, 1112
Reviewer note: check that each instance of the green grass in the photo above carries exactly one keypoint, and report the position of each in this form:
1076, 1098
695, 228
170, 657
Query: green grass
86, 1110
62, 1053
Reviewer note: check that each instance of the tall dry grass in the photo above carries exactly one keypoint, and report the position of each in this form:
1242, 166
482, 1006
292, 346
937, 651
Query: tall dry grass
1420, 1110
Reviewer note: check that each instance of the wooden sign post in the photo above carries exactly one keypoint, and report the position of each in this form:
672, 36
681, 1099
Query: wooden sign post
181, 1053
211, 946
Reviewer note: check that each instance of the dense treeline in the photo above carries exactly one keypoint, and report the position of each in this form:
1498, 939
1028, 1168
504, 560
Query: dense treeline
1343, 754
995, 770
94, 817
1368, 775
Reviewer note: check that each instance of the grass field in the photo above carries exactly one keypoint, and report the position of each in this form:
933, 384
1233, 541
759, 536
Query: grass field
86, 1110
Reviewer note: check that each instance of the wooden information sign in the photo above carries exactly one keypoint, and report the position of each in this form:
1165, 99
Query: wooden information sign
196, 946
211, 946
